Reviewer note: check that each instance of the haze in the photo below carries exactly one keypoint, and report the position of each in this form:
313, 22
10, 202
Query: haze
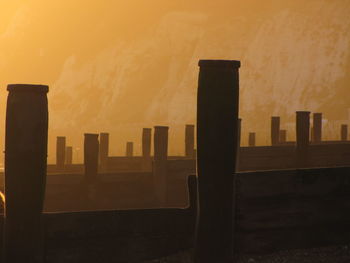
120, 65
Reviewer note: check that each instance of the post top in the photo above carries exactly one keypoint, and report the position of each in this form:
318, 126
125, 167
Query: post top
147, 129
90, 134
161, 127
219, 63
303, 112
104, 133
190, 125
35, 88
317, 113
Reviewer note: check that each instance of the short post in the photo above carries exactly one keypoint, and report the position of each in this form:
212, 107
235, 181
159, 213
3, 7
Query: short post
146, 149
283, 136
60, 152
217, 139
104, 150
317, 128
25, 172
91, 147
160, 163
344, 132
189, 141
303, 138
129, 149
251, 139
275, 130
69, 155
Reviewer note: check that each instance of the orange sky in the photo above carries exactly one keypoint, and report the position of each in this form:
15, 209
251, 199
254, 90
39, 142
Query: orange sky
118, 66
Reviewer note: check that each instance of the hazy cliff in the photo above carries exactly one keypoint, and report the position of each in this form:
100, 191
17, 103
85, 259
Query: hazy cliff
294, 57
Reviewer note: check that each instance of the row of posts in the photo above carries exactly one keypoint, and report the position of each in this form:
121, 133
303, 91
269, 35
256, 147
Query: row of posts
64, 154
279, 136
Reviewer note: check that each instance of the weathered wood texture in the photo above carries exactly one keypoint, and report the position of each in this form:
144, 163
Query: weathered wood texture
119, 236
275, 210
293, 209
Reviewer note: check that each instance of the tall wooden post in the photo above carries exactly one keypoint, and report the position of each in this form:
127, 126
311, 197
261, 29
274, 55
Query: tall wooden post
317, 128
103, 151
217, 139
160, 163
69, 155
60, 152
275, 130
251, 139
303, 138
25, 172
344, 132
146, 149
189, 141
283, 136
129, 149
91, 147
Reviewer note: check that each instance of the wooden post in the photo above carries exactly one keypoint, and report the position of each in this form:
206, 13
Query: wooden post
251, 139
189, 141
104, 150
69, 155
344, 132
303, 138
283, 136
317, 128
275, 130
160, 163
60, 152
91, 147
217, 139
129, 149
146, 149
25, 172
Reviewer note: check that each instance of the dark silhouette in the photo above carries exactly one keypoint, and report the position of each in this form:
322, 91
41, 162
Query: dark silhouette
317, 128
217, 137
160, 163
303, 138
25, 172
104, 150
69, 155
129, 149
275, 130
60, 152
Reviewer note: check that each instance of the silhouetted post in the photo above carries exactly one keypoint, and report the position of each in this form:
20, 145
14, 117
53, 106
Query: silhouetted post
251, 139
344, 132
25, 172
69, 155
303, 138
217, 139
60, 152
317, 128
129, 149
146, 148
91, 147
275, 130
160, 163
103, 151
283, 136
189, 141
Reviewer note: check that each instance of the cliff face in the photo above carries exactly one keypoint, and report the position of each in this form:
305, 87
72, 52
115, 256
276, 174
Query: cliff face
295, 56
